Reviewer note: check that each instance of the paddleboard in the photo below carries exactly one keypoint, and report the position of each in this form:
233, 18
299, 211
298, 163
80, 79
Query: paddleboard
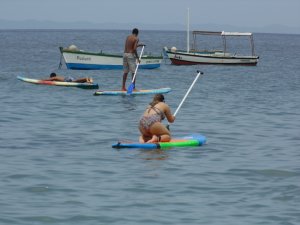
59, 83
191, 140
138, 92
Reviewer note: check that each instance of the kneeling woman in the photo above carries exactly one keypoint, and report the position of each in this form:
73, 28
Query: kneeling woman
150, 126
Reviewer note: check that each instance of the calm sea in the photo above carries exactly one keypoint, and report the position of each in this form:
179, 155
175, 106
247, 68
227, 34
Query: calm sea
56, 161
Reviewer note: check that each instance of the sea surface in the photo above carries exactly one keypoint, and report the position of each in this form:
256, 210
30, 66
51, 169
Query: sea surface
56, 161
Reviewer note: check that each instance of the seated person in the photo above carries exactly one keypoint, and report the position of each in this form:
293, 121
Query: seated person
54, 77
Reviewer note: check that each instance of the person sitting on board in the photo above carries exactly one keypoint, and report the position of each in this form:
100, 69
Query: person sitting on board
54, 77
150, 126
130, 56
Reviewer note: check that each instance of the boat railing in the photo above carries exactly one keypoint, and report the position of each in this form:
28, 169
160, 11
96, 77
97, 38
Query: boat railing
222, 34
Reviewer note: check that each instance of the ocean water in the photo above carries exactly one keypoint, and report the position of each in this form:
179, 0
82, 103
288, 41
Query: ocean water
56, 161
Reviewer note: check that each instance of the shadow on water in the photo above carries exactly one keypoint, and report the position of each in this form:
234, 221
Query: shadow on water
129, 102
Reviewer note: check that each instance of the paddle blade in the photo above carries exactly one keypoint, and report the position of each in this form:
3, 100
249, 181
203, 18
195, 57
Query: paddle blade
130, 88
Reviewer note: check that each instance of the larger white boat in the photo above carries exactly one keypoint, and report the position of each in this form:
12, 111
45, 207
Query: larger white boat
195, 56
76, 59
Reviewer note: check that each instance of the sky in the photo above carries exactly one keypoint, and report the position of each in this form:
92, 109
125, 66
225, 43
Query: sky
243, 13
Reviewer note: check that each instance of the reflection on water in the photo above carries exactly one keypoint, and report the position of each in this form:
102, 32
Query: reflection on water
155, 154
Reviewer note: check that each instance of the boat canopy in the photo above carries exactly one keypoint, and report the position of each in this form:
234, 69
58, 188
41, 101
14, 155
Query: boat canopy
221, 33
235, 34
206, 32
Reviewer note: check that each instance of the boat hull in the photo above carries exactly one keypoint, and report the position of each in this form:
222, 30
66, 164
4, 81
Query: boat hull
81, 60
185, 58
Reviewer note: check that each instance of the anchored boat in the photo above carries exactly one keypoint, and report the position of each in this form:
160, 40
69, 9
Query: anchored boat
76, 59
196, 56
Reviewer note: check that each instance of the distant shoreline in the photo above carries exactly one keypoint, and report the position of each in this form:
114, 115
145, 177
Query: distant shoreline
81, 25
99, 29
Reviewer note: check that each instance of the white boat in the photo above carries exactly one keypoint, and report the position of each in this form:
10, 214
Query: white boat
76, 59
195, 56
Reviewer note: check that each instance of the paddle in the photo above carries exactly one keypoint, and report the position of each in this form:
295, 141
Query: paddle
131, 86
199, 73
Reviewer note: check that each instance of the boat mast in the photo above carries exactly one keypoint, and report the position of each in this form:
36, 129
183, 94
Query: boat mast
188, 31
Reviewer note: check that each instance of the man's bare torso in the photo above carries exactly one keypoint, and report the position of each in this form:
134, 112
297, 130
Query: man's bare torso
131, 44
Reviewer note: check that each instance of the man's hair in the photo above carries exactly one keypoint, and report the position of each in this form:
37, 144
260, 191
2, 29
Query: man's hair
135, 31
53, 75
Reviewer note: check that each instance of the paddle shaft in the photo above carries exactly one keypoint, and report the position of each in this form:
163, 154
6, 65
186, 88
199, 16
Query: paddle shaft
199, 73
187, 93
137, 65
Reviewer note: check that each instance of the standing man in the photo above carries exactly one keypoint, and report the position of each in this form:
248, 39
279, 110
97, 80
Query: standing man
130, 56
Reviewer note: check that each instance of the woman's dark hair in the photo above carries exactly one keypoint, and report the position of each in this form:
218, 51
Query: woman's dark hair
53, 75
156, 99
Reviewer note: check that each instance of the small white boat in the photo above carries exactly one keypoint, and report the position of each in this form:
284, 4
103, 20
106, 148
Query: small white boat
76, 59
195, 56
